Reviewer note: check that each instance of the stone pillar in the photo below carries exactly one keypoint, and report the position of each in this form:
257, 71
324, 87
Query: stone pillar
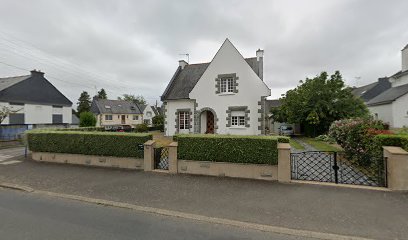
284, 172
397, 168
173, 163
149, 155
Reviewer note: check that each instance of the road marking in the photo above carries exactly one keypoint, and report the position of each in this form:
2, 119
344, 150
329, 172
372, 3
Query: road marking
10, 162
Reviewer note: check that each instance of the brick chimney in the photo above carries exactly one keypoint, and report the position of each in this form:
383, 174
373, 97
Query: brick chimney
259, 58
404, 58
36, 73
182, 64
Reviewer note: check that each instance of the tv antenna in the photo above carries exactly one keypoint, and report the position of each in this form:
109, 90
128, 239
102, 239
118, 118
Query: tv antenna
187, 55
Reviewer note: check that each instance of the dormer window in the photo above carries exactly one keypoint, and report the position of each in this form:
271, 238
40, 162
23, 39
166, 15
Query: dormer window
107, 107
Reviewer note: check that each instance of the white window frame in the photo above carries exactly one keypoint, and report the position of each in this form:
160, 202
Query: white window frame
238, 119
135, 118
108, 117
184, 120
227, 85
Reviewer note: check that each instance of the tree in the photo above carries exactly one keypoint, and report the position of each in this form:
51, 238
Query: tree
318, 102
87, 119
158, 120
84, 103
5, 112
136, 99
102, 94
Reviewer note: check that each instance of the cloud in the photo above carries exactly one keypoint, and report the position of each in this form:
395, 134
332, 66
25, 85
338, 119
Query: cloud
133, 46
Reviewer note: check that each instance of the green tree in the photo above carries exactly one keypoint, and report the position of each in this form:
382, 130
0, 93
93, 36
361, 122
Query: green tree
87, 119
158, 120
136, 99
84, 103
319, 101
102, 94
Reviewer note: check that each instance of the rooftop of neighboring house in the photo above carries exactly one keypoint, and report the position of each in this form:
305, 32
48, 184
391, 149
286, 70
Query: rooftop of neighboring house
389, 95
272, 103
107, 106
370, 91
31, 89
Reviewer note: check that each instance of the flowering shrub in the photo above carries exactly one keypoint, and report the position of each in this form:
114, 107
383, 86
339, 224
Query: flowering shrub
356, 137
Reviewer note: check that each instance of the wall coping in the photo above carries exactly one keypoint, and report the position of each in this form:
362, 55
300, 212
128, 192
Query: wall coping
149, 142
173, 144
244, 164
395, 150
283, 146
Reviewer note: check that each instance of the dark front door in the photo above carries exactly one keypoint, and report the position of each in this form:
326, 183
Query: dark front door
123, 119
210, 122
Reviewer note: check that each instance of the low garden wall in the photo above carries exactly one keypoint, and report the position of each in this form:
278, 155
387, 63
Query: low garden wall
95, 148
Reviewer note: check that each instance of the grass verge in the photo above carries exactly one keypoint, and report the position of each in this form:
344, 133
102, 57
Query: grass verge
320, 145
296, 145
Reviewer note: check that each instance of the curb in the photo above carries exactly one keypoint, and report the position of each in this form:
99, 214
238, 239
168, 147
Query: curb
190, 216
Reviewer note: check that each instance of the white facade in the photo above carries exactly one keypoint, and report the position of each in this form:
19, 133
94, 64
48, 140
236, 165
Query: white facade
395, 113
148, 115
244, 105
39, 114
110, 119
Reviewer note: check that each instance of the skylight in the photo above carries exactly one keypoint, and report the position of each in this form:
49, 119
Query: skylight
107, 107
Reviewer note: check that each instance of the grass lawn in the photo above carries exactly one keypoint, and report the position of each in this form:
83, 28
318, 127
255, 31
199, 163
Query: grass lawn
293, 143
320, 145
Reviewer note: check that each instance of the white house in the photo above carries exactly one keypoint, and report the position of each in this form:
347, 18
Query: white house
149, 112
38, 102
392, 105
224, 96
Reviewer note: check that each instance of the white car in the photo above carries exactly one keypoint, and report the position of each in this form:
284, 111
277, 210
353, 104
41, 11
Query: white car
286, 130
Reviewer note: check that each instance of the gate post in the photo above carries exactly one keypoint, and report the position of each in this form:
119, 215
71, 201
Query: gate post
149, 155
284, 170
173, 163
397, 168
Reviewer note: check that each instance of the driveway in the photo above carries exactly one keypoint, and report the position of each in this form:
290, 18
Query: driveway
10, 156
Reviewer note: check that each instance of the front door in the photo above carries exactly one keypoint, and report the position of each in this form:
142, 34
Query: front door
210, 122
123, 119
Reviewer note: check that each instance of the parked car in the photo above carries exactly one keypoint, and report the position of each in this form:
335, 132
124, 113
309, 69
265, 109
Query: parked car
286, 130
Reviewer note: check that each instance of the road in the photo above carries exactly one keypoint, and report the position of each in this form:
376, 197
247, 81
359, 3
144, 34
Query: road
7, 155
33, 216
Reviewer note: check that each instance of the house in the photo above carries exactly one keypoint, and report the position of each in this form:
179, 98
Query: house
392, 105
372, 90
35, 103
115, 113
148, 113
224, 96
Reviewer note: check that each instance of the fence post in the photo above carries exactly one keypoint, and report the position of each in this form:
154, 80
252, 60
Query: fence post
397, 167
173, 163
284, 162
149, 155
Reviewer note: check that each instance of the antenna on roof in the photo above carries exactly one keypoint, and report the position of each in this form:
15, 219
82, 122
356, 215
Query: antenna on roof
187, 55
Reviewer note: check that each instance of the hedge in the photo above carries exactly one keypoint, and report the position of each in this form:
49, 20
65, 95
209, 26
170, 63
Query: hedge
81, 129
88, 143
392, 140
229, 148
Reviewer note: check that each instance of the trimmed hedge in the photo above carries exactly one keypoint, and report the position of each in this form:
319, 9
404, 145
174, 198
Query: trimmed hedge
392, 140
81, 129
229, 148
88, 143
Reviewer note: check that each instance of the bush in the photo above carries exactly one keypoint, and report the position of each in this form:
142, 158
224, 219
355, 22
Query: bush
156, 128
88, 143
229, 148
400, 140
87, 119
141, 128
158, 120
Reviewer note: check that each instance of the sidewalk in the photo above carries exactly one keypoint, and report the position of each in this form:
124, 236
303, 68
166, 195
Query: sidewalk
357, 212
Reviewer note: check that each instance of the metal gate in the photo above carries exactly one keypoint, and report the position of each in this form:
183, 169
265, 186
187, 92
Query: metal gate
161, 158
335, 167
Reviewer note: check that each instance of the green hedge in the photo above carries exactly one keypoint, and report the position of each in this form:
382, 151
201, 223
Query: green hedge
81, 129
229, 148
392, 140
88, 143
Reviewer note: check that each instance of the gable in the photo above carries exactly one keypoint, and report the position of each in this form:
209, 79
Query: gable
34, 89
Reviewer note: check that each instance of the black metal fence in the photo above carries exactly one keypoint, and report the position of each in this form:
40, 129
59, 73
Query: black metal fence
337, 168
161, 158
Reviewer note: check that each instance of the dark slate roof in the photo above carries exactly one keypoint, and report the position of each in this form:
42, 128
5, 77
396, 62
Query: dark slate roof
370, 91
272, 103
184, 80
389, 96
400, 74
34, 89
155, 110
142, 107
114, 107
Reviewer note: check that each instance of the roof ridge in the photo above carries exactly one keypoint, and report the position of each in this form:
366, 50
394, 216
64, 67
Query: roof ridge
15, 77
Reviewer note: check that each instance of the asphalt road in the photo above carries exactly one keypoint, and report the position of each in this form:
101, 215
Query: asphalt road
33, 216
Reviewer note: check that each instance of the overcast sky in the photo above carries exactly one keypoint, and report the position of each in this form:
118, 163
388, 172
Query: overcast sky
134, 46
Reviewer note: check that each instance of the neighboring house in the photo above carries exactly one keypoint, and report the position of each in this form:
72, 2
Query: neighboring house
148, 113
224, 96
272, 125
392, 105
38, 102
113, 113
75, 121
370, 91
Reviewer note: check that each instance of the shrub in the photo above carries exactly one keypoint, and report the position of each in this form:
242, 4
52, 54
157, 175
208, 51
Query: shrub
142, 127
229, 148
400, 140
87, 119
88, 143
82, 129
158, 120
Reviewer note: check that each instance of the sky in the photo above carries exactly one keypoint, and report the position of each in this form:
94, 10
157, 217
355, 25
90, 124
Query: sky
133, 47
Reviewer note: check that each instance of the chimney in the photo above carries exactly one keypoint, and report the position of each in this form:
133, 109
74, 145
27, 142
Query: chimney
404, 58
36, 73
259, 58
182, 64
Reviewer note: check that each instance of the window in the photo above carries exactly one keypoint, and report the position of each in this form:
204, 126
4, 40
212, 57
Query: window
135, 117
108, 117
56, 106
375, 116
238, 119
184, 120
149, 114
227, 85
